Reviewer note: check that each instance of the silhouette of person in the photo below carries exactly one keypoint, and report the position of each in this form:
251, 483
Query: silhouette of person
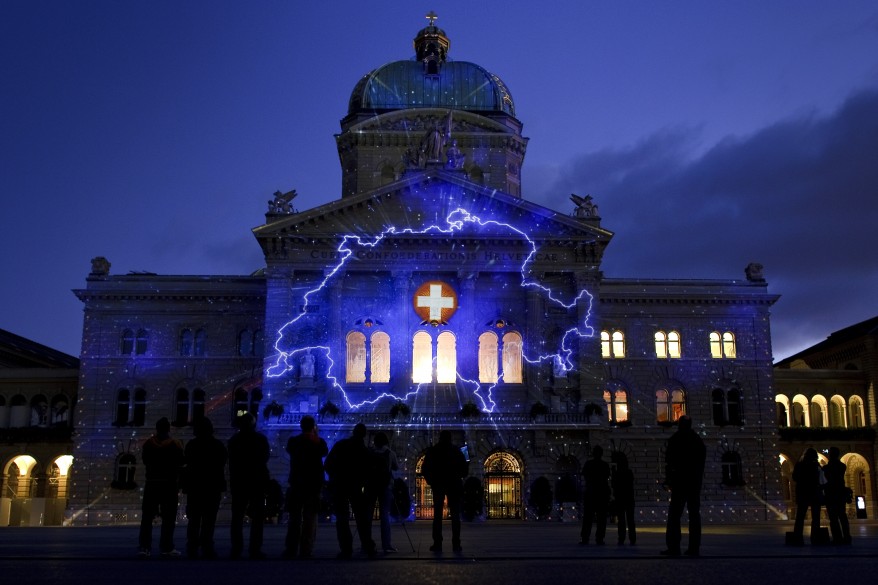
348, 465
684, 472
248, 478
205, 481
623, 493
596, 501
380, 486
444, 468
806, 474
836, 498
307, 451
163, 458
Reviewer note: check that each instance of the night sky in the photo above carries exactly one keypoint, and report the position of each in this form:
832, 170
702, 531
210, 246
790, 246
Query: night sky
710, 134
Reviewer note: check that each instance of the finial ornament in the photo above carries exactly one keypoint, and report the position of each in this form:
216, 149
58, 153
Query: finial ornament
431, 16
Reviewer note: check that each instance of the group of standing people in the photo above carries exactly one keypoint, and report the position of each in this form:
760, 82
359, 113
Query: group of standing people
684, 470
817, 486
359, 476
199, 470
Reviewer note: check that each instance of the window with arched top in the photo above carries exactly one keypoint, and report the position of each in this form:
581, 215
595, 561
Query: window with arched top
512, 352
503, 486
379, 345
726, 407
667, 345
837, 412
722, 345
670, 405
612, 344
858, 414
355, 371
246, 401
141, 342
488, 357
818, 412
617, 405
446, 358
732, 469
200, 347
422, 358
187, 342
123, 474
127, 342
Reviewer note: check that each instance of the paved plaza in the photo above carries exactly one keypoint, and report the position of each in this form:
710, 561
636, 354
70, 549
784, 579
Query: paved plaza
497, 551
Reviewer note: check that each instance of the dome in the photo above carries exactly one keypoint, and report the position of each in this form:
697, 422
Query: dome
431, 81
458, 85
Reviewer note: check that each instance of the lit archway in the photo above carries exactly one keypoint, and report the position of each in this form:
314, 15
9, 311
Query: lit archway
503, 486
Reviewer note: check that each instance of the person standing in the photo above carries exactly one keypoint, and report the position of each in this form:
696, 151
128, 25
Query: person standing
248, 478
444, 468
596, 501
684, 473
806, 474
307, 451
163, 457
205, 482
380, 486
623, 494
837, 498
348, 465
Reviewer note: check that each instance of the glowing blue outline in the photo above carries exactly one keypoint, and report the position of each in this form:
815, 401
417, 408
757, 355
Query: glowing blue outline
455, 221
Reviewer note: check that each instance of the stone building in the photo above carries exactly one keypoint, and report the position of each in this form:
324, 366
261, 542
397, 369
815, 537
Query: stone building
433, 295
37, 396
826, 397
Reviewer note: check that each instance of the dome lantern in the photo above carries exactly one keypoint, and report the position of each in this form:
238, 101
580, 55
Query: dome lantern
431, 46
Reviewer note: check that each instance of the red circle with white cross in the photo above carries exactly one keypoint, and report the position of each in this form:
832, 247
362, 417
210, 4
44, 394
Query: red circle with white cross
435, 302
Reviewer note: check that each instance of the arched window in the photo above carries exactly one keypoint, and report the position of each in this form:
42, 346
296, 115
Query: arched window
245, 343
123, 400
186, 342
446, 358
39, 411
141, 342
246, 401
733, 469
667, 344
618, 344
138, 418
669, 405
200, 348
799, 411
734, 406
722, 345
422, 358
605, 344
488, 357
356, 358
123, 475
729, 350
127, 347
60, 410
617, 405
718, 406
818, 412
380, 361
512, 358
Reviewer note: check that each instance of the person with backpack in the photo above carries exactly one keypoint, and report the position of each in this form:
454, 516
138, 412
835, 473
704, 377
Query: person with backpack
379, 486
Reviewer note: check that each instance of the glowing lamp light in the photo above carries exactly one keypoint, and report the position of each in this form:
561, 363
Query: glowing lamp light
25, 463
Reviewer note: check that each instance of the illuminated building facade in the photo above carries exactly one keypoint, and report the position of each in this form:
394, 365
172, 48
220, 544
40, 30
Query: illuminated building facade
432, 295
826, 398
37, 396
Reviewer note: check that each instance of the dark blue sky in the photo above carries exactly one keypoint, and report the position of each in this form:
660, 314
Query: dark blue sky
711, 135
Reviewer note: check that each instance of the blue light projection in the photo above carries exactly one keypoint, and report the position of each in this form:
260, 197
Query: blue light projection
455, 221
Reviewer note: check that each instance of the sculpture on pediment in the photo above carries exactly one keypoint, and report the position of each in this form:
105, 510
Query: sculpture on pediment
281, 202
754, 272
585, 207
100, 266
454, 158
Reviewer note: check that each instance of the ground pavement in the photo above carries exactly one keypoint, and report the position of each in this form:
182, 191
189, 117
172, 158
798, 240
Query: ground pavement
493, 552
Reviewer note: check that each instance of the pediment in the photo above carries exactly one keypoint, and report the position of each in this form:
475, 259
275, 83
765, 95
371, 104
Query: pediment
432, 197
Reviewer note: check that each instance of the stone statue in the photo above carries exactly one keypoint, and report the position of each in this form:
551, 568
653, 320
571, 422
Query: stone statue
754, 272
100, 266
307, 365
454, 158
281, 202
585, 207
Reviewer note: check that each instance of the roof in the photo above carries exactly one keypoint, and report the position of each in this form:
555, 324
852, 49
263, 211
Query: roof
850, 333
20, 352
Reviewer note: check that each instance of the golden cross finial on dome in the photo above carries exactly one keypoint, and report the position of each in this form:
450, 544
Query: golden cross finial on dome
431, 16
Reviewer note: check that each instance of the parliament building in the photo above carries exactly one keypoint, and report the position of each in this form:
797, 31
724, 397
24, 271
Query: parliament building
432, 295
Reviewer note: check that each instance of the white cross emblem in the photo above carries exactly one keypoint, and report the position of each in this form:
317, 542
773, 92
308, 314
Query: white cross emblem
435, 302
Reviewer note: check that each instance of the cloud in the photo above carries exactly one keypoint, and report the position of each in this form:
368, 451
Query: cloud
799, 196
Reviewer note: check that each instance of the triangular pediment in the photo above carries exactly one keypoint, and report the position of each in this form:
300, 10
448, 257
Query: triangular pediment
431, 197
